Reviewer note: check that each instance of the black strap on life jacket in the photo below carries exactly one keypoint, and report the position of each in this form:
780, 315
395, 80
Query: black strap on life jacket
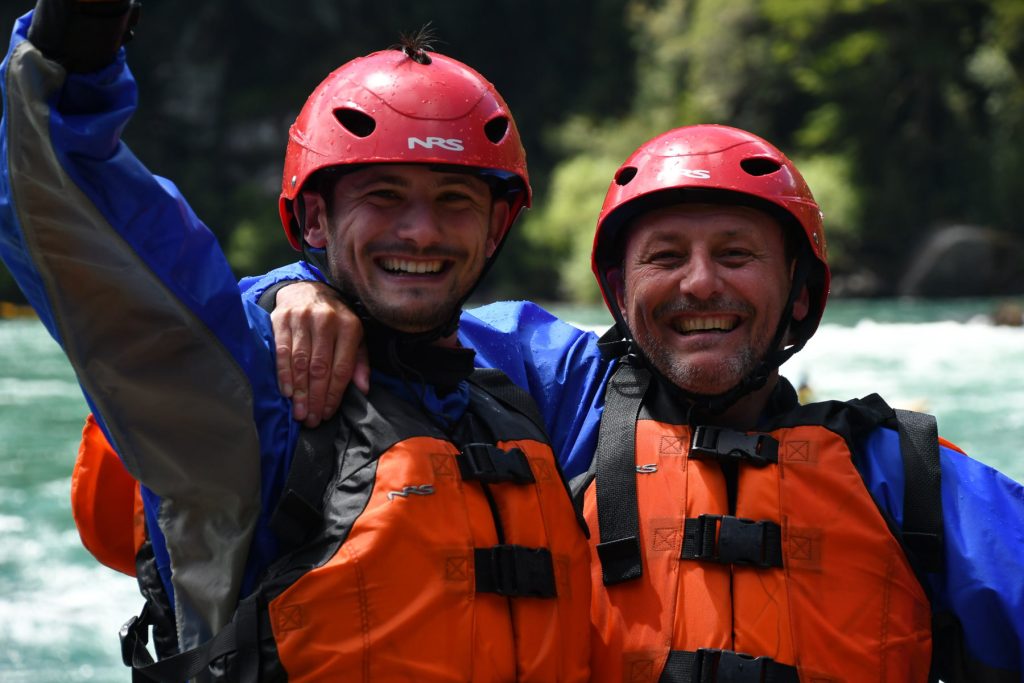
732, 540
922, 489
241, 635
724, 666
301, 506
618, 512
497, 384
514, 571
487, 463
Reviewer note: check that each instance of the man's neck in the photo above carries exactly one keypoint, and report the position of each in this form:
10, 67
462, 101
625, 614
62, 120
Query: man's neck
746, 412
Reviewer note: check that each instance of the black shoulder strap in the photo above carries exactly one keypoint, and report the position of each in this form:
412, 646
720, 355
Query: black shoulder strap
240, 636
618, 513
922, 488
497, 384
300, 507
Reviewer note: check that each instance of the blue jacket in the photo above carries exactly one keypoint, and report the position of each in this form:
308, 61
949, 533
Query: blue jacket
983, 584
177, 367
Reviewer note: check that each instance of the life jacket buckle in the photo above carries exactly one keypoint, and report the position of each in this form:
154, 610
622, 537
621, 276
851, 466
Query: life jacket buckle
732, 540
489, 464
515, 571
736, 667
720, 444
134, 637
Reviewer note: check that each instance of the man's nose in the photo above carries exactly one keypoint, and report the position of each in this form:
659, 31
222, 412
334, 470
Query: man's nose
701, 278
419, 224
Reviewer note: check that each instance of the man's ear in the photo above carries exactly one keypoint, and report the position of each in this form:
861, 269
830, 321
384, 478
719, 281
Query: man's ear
312, 217
499, 225
802, 304
613, 276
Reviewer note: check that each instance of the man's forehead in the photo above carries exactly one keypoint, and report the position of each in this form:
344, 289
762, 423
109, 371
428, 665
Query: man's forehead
675, 219
407, 174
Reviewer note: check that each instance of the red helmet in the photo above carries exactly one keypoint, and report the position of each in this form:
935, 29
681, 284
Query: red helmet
708, 164
398, 107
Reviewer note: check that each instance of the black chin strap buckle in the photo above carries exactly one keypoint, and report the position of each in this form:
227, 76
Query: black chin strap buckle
720, 444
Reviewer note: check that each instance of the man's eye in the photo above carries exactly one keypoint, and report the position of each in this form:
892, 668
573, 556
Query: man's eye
383, 194
665, 256
455, 197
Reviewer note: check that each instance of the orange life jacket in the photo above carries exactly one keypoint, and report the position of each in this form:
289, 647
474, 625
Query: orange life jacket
801, 580
418, 556
106, 502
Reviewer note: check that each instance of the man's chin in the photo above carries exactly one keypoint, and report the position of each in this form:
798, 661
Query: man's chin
701, 380
411, 321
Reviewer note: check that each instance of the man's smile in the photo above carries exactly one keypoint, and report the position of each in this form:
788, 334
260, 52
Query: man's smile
697, 324
405, 266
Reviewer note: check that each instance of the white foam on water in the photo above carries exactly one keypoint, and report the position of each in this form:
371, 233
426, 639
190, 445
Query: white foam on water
969, 375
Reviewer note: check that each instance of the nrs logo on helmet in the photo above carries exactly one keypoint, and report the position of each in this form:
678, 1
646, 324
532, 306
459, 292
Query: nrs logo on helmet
451, 144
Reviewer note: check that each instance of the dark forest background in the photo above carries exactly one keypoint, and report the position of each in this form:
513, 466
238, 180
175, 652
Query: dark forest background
905, 116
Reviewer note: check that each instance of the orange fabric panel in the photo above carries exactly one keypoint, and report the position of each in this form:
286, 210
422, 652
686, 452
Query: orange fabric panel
636, 622
106, 502
399, 594
847, 592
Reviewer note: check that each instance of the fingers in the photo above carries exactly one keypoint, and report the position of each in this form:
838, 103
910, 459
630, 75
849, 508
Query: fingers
361, 374
319, 350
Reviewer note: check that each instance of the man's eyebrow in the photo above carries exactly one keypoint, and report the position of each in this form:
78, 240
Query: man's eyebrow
390, 178
469, 181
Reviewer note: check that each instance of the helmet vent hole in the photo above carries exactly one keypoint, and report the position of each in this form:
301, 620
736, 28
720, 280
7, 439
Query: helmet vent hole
758, 166
625, 175
355, 122
496, 128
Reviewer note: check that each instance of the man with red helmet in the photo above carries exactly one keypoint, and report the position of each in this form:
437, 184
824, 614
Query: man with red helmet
426, 533
736, 534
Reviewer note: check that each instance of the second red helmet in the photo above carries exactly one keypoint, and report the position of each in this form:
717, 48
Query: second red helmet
712, 163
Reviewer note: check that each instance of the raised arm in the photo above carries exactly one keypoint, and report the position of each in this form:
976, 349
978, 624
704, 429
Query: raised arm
138, 294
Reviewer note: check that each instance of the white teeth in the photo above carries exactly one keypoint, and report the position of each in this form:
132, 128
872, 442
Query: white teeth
396, 265
701, 324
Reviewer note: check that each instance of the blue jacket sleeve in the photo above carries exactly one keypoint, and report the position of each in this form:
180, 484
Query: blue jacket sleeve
557, 363
983, 581
135, 289
253, 287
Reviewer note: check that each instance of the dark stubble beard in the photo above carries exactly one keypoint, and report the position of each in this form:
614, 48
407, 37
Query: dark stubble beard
431, 314
701, 379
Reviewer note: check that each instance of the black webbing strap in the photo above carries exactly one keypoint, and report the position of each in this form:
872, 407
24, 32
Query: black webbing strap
268, 299
300, 508
719, 443
739, 541
514, 571
922, 488
497, 384
618, 514
487, 463
724, 666
241, 636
